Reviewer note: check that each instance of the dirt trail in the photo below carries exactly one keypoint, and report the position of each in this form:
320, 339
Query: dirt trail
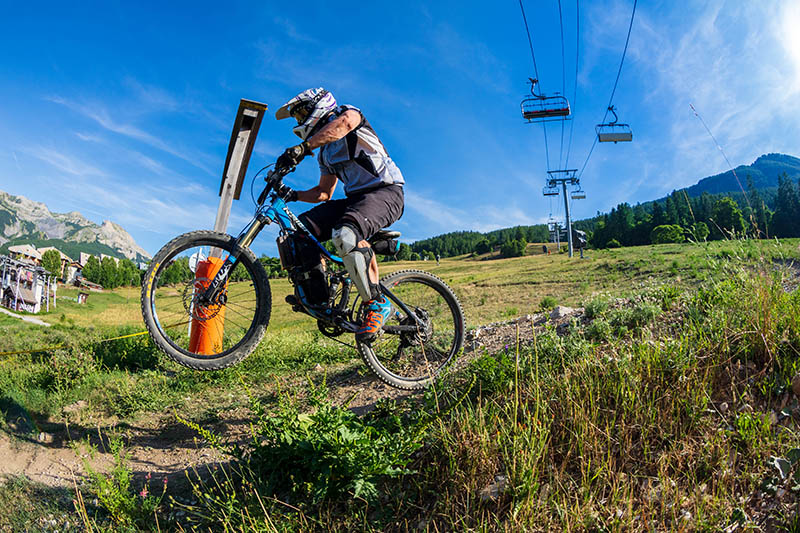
165, 448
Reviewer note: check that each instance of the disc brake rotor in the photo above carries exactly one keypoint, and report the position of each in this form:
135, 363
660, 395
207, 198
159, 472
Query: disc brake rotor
191, 300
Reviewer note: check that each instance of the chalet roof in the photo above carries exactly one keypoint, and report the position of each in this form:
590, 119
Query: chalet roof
64, 257
27, 295
26, 250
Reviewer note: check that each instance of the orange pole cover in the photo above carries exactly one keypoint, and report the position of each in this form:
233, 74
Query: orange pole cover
206, 334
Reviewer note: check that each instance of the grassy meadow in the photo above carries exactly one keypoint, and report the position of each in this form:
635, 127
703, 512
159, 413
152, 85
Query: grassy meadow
666, 406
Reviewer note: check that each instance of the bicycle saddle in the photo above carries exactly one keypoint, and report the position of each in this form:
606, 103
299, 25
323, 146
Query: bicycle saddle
384, 235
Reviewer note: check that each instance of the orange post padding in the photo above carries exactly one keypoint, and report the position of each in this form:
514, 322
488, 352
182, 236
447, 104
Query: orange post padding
206, 334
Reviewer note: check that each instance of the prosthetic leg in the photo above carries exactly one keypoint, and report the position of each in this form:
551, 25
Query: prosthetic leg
357, 260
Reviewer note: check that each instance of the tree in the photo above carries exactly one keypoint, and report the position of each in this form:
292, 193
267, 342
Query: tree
414, 257
759, 217
787, 209
728, 217
109, 275
91, 270
666, 234
404, 253
128, 274
483, 247
513, 248
51, 261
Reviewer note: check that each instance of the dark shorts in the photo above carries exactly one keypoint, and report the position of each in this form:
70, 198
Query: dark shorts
368, 212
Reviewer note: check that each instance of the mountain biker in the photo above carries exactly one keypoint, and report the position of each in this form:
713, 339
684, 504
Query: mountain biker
350, 152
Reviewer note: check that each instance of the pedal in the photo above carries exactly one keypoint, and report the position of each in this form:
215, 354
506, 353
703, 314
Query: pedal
291, 299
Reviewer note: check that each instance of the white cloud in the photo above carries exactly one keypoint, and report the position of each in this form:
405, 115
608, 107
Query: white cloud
728, 59
98, 113
65, 163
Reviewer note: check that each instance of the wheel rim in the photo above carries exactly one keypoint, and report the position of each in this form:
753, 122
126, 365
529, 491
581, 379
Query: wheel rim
419, 355
197, 329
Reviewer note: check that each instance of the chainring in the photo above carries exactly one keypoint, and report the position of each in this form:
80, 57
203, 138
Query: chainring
329, 330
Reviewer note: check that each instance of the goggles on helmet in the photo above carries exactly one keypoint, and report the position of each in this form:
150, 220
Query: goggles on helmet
302, 110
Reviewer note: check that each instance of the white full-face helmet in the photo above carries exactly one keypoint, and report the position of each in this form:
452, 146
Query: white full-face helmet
308, 108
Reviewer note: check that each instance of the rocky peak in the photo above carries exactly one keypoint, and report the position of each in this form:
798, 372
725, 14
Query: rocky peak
23, 218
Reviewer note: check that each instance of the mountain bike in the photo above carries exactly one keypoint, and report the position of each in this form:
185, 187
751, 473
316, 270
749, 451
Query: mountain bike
206, 299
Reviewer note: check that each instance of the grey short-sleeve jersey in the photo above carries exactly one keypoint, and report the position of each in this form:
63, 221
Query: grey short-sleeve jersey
359, 159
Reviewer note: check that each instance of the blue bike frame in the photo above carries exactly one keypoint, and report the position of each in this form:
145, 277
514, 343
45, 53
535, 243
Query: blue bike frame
278, 212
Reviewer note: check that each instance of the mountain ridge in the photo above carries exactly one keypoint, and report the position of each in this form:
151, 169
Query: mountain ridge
764, 172
22, 219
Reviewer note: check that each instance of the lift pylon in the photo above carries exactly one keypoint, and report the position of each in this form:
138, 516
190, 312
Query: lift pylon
564, 178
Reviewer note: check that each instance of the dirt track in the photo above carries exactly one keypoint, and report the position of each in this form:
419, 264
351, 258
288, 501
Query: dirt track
165, 448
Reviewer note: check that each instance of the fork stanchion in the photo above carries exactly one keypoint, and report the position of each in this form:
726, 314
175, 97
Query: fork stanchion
208, 323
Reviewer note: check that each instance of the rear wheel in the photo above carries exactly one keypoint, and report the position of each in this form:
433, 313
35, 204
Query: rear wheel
414, 357
205, 335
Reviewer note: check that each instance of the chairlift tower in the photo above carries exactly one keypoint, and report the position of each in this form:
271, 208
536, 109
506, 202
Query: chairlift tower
564, 178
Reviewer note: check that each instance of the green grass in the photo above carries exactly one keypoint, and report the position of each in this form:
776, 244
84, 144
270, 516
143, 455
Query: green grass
614, 426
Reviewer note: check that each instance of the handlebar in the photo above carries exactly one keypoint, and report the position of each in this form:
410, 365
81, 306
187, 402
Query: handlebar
273, 181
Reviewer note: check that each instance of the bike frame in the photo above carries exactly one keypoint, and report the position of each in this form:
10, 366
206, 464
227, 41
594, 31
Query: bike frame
279, 213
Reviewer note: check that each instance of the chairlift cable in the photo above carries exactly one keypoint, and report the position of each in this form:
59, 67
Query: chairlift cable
719, 147
530, 41
577, 56
614, 90
536, 72
563, 82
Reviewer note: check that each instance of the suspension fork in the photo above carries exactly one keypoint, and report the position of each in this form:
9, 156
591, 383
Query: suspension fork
242, 243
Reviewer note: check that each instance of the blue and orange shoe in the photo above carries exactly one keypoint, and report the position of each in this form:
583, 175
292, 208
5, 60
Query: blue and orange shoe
378, 311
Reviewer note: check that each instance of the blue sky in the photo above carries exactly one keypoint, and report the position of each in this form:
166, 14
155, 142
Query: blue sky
124, 111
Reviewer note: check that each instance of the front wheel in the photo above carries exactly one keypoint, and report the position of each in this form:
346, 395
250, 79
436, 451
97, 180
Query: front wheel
205, 335
411, 353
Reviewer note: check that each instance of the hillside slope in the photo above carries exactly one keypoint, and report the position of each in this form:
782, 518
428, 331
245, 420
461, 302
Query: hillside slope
764, 172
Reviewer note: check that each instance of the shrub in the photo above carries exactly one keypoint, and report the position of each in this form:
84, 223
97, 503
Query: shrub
596, 308
548, 302
667, 233
613, 243
599, 330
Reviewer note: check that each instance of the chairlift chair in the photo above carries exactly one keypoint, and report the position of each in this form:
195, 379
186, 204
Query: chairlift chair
550, 191
614, 131
540, 108
580, 194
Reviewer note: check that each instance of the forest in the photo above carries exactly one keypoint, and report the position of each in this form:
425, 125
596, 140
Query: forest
758, 213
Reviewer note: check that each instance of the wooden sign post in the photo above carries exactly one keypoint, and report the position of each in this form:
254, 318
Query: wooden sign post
205, 336
243, 137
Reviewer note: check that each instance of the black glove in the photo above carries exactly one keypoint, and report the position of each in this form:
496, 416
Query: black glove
292, 156
287, 193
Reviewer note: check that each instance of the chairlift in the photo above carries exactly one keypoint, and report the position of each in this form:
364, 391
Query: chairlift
550, 191
540, 108
580, 194
614, 131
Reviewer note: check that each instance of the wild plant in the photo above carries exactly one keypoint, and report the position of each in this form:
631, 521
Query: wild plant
126, 506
